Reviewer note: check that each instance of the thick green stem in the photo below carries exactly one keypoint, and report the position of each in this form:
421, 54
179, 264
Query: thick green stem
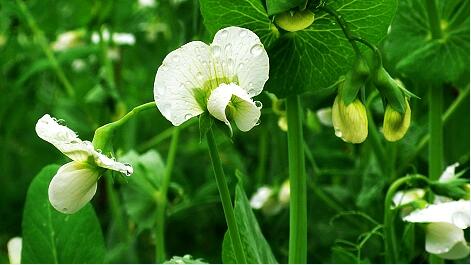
225, 198
297, 177
44, 44
434, 19
435, 164
390, 240
160, 255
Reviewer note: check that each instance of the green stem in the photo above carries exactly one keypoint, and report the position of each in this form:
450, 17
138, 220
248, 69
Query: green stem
44, 44
373, 48
297, 177
434, 19
375, 138
390, 240
160, 256
344, 26
462, 98
225, 198
435, 164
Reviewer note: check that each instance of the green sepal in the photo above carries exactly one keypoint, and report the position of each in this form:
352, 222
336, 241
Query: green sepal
102, 139
453, 188
355, 80
389, 89
205, 124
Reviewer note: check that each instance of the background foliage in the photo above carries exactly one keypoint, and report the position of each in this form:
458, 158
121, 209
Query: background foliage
346, 183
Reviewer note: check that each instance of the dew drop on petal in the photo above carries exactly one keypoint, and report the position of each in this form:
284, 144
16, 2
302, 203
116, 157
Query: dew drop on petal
228, 47
188, 116
241, 65
224, 34
257, 122
258, 104
256, 50
129, 170
163, 68
338, 133
243, 33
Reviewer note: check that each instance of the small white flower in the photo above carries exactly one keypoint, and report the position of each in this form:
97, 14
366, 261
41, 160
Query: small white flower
404, 197
220, 78
146, 3
75, 183
261, 197
119, 38
14, 246
284, 193
444, 233
67, 40
325, 116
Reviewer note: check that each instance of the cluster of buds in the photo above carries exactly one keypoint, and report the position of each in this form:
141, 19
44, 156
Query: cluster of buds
349, 114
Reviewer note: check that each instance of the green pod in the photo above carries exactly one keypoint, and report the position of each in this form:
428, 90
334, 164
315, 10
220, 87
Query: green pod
395, 124
350, 120
390, 90
355, 80
294, 20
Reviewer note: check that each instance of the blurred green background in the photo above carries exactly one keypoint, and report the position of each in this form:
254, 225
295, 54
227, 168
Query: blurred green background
89, 84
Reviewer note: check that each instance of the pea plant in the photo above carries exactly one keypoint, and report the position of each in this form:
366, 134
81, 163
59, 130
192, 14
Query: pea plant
280, 131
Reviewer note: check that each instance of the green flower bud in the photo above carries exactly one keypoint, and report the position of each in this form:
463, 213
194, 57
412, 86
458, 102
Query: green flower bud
355, 80
454, 188
390, 90
395, 124
294, 20
350, 121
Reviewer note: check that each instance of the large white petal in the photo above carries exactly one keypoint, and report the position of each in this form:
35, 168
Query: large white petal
449, 172
63, 139
455, 213
261, 196
446, 240
14, 247
103, 161
180, 79
73, 186
238, 53
243, 109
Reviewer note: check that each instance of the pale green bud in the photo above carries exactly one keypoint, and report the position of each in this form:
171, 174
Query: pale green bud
395, 124
350, 121
294, 20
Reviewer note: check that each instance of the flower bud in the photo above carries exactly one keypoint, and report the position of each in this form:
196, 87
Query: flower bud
355, 80
390, 90
294, 20
395, 124
350, 121
455, 188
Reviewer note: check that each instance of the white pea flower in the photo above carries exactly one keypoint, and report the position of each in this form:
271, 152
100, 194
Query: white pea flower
284, 193
120, 38
261, 197
67, 40
75, 183
14, 247
146, 3
444, 231
325, 116
404, 197
220, 78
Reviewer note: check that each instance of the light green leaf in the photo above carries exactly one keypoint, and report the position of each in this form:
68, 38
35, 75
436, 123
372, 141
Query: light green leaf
140, 193
277, 6
254, 244
314, 57
53, 237
412, 50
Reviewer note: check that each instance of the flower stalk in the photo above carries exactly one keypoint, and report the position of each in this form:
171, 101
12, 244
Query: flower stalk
297, 176
225, 199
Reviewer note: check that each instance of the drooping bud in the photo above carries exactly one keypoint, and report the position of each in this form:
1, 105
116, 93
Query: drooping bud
350, 121
294, 20
395, 124
355, 80
390, 90
455, 188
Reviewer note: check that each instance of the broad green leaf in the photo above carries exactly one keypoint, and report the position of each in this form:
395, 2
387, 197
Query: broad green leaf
254, 244
53, 237
278, 6
412, 50
311, 59
140, 192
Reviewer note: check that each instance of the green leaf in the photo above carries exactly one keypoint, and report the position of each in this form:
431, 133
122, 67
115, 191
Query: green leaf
314, 57
255, 246
412, 50
140, 193
53, 237
277, 6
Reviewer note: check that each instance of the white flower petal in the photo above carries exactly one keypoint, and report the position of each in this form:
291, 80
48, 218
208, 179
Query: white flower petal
14, 247
449, 172
73, 186
404, 197
238, 53
180, 80
455, 213
261, 196
325, 116
124, 38
63, 139
442, 238
284, 193
243, 109
103, 161
458, 251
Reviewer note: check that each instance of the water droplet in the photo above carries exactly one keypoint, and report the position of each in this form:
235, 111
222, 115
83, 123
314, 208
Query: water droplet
257, 123
163, 68
338, 133
241, 65
251, 92
243, 33
216, 50
188, 84
256, 50
188, 116
258, 104
129, 170
228, 47
460, 219
224, 34
175, 58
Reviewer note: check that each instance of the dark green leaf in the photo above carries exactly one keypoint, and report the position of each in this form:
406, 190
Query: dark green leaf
53, 237
278, 6
255, 246
411, 48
